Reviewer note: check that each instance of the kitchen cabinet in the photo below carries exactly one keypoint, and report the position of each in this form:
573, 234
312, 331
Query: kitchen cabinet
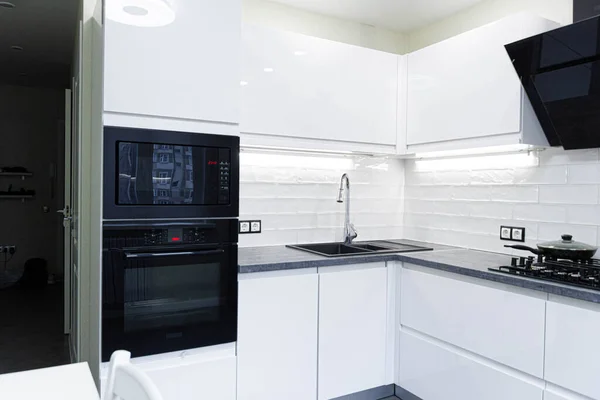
352, 329
463, 92
433, 372
553, 396
572, 353
277, 336
302, 91
185, 71
443, 307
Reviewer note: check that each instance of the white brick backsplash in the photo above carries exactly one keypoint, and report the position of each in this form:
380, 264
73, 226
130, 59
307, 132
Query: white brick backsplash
584, 215
569, 194
541, 175
515, 194
491, 209
581, 233
297, 203
557, 156
541, 213
584, 174
559, 195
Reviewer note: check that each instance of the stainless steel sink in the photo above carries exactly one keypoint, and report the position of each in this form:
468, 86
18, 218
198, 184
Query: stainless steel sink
337, 249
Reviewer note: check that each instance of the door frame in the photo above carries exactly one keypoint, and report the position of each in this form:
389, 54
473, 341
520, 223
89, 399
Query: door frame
67, 206
89, 66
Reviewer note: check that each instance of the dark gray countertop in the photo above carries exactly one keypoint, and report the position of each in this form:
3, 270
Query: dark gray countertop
451, 259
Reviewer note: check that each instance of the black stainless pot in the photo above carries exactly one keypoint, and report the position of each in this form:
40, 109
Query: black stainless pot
566, 248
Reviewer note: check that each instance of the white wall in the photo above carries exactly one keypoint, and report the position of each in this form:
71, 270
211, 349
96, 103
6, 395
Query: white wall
485, 12
279, 16
295, 197
464, 201
29, 129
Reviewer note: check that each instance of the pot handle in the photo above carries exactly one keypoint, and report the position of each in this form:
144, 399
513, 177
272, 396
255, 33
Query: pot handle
522, 247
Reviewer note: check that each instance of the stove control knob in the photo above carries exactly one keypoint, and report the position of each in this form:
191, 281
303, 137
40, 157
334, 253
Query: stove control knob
522, 261
514, 261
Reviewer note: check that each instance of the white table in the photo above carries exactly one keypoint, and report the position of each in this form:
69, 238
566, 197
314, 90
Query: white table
67, 382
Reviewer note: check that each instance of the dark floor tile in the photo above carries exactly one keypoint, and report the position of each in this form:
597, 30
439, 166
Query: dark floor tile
31, 329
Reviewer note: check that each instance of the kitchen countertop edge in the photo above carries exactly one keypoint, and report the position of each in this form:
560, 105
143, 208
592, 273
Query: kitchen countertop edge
444, 258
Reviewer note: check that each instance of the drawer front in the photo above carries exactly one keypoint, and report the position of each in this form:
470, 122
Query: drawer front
500, 325
572, 351
435, 373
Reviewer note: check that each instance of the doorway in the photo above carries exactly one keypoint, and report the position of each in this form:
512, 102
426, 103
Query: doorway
38, 289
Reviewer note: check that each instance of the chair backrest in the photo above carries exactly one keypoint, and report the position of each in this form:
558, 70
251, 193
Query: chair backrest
127, 382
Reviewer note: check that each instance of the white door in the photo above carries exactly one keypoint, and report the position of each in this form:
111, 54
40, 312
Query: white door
352, 330
72, 169
277, 340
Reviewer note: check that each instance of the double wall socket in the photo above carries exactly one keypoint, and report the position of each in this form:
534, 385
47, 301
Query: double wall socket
512, 233
10, 249
250, 226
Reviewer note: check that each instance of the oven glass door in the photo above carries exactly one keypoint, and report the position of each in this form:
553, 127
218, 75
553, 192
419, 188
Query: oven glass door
173, 300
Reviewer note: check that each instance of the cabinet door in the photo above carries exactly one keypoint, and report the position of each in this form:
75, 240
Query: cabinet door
306, 87
352, 330
277, 338
443, 308
572, 352
466, 87
432, 372
188, 69
210, 379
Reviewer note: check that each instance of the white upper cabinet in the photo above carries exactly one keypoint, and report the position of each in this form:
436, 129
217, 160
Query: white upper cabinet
465, 88
306, 88
187, 70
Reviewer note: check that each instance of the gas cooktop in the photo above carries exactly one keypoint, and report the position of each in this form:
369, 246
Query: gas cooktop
581, 273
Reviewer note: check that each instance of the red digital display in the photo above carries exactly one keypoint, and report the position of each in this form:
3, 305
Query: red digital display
175, 239
212, 163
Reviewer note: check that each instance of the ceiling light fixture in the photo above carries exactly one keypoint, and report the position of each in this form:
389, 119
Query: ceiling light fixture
16, 48
268, 69
6, 4
142, 13
300, 53
243, 83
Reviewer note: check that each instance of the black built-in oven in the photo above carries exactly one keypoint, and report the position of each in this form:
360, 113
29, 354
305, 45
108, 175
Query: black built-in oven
153, 174
168, 286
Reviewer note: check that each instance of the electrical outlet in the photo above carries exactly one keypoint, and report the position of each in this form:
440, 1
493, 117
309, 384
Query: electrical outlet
12, 249
518, 234
255, 226
505, 233
244, 226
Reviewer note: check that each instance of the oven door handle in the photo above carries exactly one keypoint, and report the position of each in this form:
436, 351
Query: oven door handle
175, 254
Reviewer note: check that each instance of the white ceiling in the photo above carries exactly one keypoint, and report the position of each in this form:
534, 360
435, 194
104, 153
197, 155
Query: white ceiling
397, 15
46, 31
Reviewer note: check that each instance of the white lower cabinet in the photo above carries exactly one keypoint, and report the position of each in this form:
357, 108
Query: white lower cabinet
210, 379
572, 351
444, 308
432, 372
352, 329
277, 337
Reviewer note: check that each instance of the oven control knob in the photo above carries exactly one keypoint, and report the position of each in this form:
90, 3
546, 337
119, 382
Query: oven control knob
514, 261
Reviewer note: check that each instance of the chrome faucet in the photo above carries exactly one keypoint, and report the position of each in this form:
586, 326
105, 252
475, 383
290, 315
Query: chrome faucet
349, 232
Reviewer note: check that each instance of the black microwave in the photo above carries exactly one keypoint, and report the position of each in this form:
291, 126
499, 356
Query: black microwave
154, 174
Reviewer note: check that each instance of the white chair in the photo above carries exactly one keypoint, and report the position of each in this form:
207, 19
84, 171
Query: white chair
127, 382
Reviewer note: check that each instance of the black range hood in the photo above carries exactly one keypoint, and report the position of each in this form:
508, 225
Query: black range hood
560, 71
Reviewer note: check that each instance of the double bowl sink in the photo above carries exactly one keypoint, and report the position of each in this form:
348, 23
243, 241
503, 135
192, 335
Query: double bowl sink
338, 249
